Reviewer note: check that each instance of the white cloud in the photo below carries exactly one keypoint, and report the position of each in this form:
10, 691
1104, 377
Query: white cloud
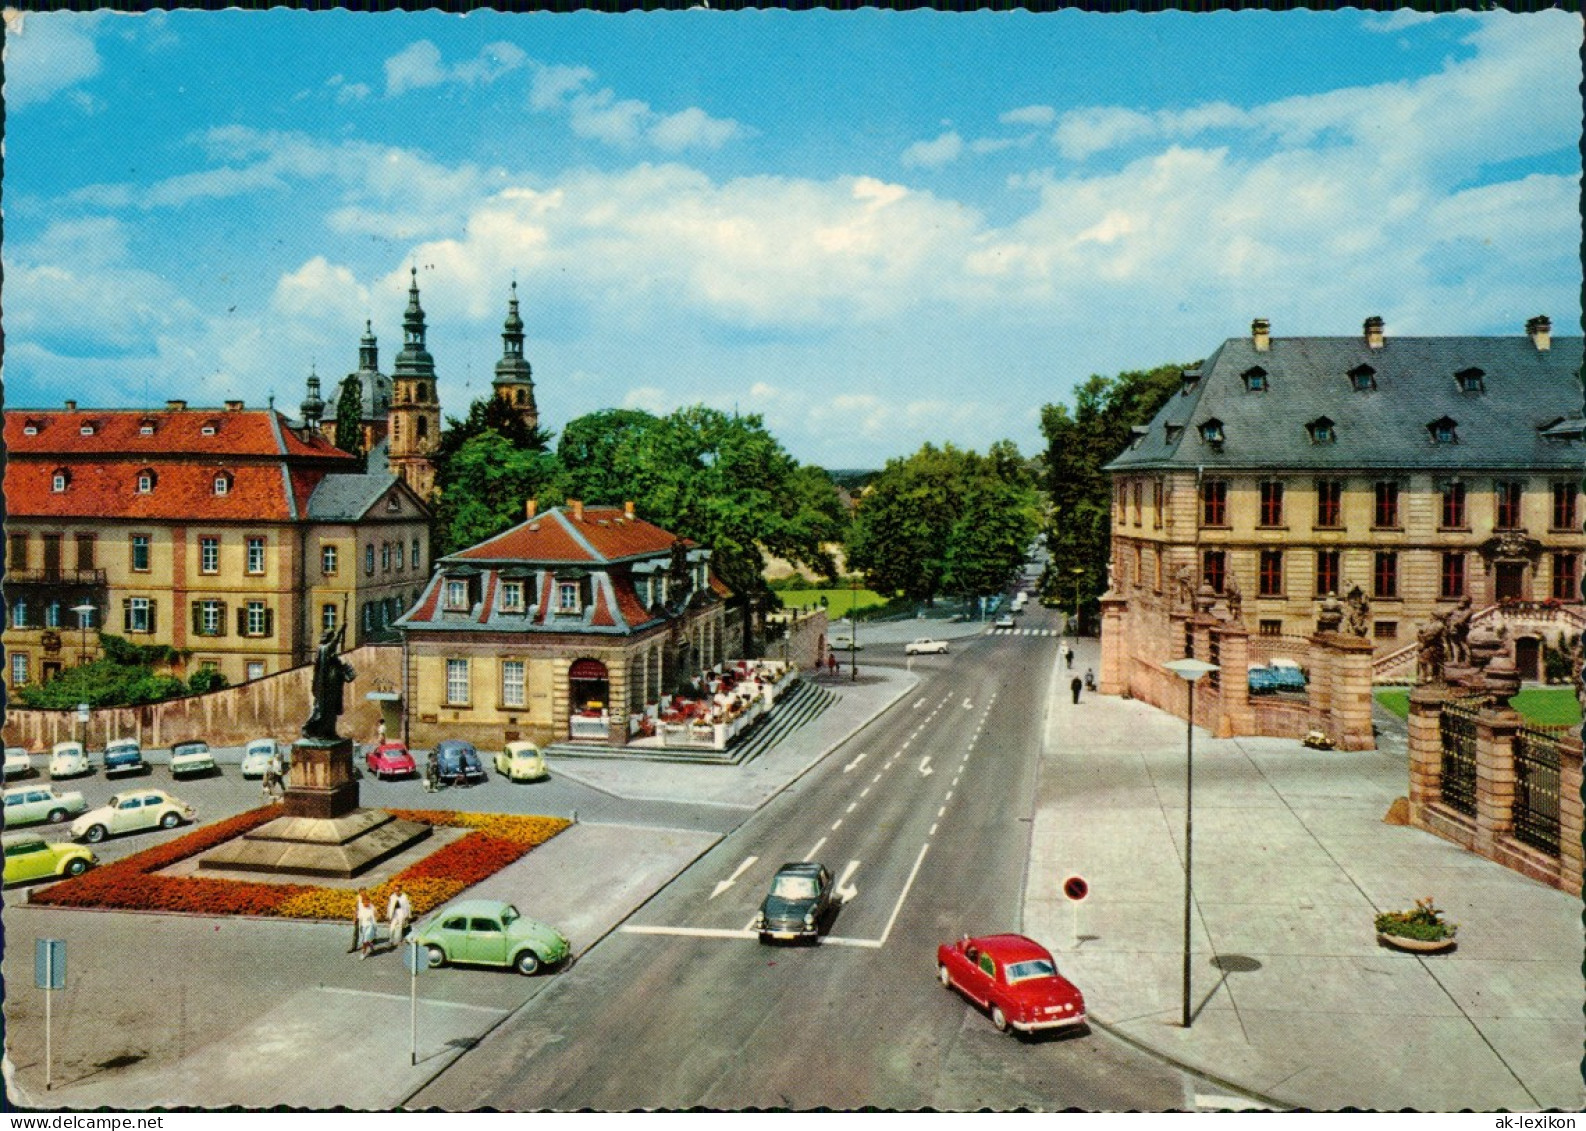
603, 117
649, 398
47, 53
1397, 20
936, 153
1082, 133
693, 129
625, 122
553, 83
419, 65
1029, 116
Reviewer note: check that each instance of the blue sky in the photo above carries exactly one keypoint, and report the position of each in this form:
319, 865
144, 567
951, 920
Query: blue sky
874, 228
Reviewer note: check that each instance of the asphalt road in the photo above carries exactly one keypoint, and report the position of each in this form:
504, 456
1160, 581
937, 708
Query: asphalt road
925, 819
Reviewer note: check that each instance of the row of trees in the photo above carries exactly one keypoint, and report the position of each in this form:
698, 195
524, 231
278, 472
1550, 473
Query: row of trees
1080, 442
127, 673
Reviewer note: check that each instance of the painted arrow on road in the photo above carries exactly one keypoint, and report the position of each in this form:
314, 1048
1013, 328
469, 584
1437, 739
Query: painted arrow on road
925, 767
968, 706
854, 764
846, 891
728, 882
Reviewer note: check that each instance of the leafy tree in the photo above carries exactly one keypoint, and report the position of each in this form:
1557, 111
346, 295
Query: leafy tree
945, 520
598, 450
484, 413
487, 482
349, 417
1080, 443
205, 680
124, 675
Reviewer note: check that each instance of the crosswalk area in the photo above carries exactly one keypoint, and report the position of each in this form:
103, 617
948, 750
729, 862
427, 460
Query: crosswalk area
1023, 632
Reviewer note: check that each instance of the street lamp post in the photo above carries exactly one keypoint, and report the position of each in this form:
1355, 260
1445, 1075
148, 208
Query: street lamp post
85, 613
1078, 572
1189, 670
853, 628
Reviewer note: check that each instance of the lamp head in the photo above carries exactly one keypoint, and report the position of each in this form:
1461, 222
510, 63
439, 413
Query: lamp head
1190, 670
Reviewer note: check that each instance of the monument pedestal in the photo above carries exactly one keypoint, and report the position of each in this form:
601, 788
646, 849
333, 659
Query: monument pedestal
323, 831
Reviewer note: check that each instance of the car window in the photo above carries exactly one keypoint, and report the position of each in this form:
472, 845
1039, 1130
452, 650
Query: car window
1032, 968
486, 925
10, 801
794, 887
987, 966
455, 924
23, 849
130, 803
509, 915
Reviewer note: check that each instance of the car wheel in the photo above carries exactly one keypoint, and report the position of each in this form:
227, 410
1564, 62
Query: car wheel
999, 1019
170, 821
528, 963
943, 976
435, 956
94, 834
76, 867
57, 816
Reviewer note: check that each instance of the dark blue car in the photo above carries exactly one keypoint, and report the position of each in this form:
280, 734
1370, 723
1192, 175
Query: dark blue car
457, 761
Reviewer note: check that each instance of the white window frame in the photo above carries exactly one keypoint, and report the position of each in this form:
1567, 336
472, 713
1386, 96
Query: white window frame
567, 597
58, 482
385, 557
222, 484
52, 614
147, 542
512, 595
415, 553
209, 618
209, 555
255, 618
456, 593
328, 559
138, 609
256, 552
368, 558
145, 483
327, 616
255, 670
514, 675
19, 668
458, 684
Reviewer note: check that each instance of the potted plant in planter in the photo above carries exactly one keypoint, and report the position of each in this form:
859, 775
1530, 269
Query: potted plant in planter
1421, 929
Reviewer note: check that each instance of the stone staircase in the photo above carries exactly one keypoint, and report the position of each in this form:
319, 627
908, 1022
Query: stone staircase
1518, 617
805, 702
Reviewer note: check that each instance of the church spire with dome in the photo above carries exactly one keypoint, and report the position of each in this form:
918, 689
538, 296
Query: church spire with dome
415, 416
514, 383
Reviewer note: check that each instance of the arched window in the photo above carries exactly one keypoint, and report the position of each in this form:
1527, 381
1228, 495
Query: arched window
523, 396
424, 427
423, 392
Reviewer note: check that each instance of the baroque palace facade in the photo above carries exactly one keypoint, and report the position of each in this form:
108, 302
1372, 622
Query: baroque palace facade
1427, 472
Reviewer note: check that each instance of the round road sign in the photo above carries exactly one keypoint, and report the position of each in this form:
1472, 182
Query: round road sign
1076, 888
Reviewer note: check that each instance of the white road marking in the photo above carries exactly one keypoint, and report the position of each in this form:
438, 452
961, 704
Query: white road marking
855, 762
810, 855
968, 706
925, 768
844, 889
865, 792
949, 796
837, 824
875, 779
424, 1000
904, 894
940, 813
852, 805
687, 932
933, 831
728, 882
920, 703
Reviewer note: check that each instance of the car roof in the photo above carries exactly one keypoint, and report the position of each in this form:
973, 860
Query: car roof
455, 744
69, 744
472, 906
252, 742
23, 838
121, 742
190, 742
800, 868
1011, 948
519, 747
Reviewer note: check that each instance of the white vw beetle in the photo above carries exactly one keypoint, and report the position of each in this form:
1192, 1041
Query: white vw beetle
69, 760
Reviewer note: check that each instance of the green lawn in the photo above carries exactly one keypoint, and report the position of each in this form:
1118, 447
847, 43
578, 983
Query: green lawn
1550, 706
839, 600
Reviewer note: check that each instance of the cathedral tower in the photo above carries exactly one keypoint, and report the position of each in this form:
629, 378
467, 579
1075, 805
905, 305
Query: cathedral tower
514, 382
415, 405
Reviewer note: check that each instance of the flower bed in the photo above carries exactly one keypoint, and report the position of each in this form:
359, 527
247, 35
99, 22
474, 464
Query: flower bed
495, 840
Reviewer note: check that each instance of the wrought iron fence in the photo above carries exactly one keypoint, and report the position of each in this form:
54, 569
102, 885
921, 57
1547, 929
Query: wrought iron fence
1456, 724
1536, 787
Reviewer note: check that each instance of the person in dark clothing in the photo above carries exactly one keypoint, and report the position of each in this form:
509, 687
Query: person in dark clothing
1074, 685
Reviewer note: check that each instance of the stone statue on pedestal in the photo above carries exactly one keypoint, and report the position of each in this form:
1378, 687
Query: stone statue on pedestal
1331, 617
331, 672
1458, 622
1429, 660
1359, 612
1234, 597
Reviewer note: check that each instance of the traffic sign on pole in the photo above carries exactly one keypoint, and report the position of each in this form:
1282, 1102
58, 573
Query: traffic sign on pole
49, 975
1076, 888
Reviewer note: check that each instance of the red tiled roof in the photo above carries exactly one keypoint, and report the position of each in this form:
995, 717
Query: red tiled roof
490, 599
426, 608
549, 537
628, 603
238, 435
717, 585
546, 592
602, 618
182, 491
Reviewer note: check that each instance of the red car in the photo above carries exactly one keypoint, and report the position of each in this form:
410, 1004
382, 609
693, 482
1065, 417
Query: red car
391, 760
1015, 978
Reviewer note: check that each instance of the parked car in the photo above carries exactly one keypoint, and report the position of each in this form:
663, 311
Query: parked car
799, 902
34, 858
191, 758
1288, 674
18, 763
131, 812
1004, 621
30, 804
925, 645
259, 753
124, 756
1262, 680
845, 644
458, 761
522, 761
487, 932
69, 760
391, 760
1014, 978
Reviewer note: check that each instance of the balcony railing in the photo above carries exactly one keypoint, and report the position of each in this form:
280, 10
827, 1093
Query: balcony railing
55, 577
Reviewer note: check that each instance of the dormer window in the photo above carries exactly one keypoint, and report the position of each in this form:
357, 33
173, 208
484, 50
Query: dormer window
86, 430
1171, 432
210, 427
1188, 379
512, 597
1444, 431
1255, 379
567, 597
1362, 378
1471, 381
146, 428
60, 479
457, 594
1137, 435
1322, 430
31, 428
145, 482
223, 484
1212, 431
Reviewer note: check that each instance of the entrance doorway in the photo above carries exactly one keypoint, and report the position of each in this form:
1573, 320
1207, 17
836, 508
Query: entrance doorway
1528, 657
1510, 581
588, 685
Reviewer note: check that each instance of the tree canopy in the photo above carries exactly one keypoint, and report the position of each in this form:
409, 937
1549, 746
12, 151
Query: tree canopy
1079, 444
487, 466
349, 416
126, 674
945, 521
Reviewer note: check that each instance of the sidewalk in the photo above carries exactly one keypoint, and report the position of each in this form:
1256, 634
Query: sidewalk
1292, 998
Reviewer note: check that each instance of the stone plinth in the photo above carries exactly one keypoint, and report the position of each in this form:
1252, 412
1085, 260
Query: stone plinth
322, 781
342, 846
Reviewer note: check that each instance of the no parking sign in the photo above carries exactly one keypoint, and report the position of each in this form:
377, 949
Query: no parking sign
1076, 888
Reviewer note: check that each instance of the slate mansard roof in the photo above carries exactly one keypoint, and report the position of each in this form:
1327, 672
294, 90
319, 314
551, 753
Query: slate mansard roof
1510, 405
605, 546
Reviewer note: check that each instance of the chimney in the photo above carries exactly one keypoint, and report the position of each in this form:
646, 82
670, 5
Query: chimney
1261, 335
1373, 329
176, 406
578, 509
1541, 330
71, 406
530, 507
233, 406
627, 510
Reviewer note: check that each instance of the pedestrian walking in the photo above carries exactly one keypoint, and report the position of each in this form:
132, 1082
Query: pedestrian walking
1068, 657
432, 773
368, 922
380, 734
1074, 686
398, 910
268, 784
1090, 680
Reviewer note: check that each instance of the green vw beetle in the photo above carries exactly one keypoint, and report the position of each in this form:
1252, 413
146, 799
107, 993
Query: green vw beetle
487, 932
34, 858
